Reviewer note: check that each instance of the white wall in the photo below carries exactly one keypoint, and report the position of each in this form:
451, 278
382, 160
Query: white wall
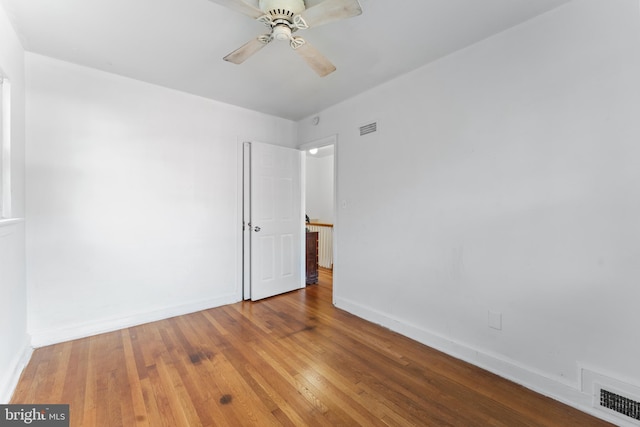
14, 341
132, 199
504, 178
319, 188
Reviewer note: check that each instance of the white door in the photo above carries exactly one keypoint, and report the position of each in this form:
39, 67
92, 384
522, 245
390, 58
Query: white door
277, 224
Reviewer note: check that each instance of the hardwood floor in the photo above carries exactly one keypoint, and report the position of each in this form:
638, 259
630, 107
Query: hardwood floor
291, 360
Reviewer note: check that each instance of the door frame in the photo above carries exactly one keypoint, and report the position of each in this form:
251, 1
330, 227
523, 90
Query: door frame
245, 214
317, 143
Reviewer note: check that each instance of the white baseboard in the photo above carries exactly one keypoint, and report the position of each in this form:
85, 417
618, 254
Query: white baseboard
557, 389
13, 371
44, 337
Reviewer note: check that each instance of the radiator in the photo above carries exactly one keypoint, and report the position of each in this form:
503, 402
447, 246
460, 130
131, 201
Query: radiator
325, 244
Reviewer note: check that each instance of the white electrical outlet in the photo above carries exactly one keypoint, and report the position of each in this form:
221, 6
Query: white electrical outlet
495, 320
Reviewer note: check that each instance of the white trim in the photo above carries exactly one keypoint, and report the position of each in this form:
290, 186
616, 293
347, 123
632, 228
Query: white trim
5, 147
302, 171
562, 391
240, 275
13, 371
44, 337
336, 221
6, 222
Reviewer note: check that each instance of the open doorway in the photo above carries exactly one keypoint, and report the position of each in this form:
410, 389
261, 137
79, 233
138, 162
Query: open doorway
320, 201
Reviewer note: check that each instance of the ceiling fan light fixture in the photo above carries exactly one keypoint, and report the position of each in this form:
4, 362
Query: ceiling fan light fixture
281, 32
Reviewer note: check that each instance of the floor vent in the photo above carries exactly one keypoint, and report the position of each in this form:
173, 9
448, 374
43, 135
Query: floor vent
620, 404
367, 129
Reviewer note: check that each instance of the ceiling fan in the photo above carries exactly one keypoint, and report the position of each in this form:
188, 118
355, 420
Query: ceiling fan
284, 18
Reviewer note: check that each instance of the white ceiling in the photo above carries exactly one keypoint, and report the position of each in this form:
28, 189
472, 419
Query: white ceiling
179, 44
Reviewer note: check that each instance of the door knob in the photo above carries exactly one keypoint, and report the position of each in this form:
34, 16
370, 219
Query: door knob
256, 229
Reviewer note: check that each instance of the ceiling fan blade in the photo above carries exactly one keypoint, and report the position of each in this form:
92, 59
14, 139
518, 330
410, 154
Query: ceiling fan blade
330, 11
315, 59
241, 54
248, 7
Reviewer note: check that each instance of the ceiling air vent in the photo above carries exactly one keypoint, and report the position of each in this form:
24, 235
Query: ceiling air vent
368, 128
620, 404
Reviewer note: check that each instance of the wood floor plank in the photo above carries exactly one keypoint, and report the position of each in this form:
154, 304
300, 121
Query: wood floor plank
290, 360
133, 378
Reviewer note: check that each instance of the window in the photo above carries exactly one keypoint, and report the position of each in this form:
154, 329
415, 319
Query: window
5, 152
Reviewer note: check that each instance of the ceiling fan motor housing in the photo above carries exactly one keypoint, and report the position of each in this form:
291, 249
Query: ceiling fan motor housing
283, 9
